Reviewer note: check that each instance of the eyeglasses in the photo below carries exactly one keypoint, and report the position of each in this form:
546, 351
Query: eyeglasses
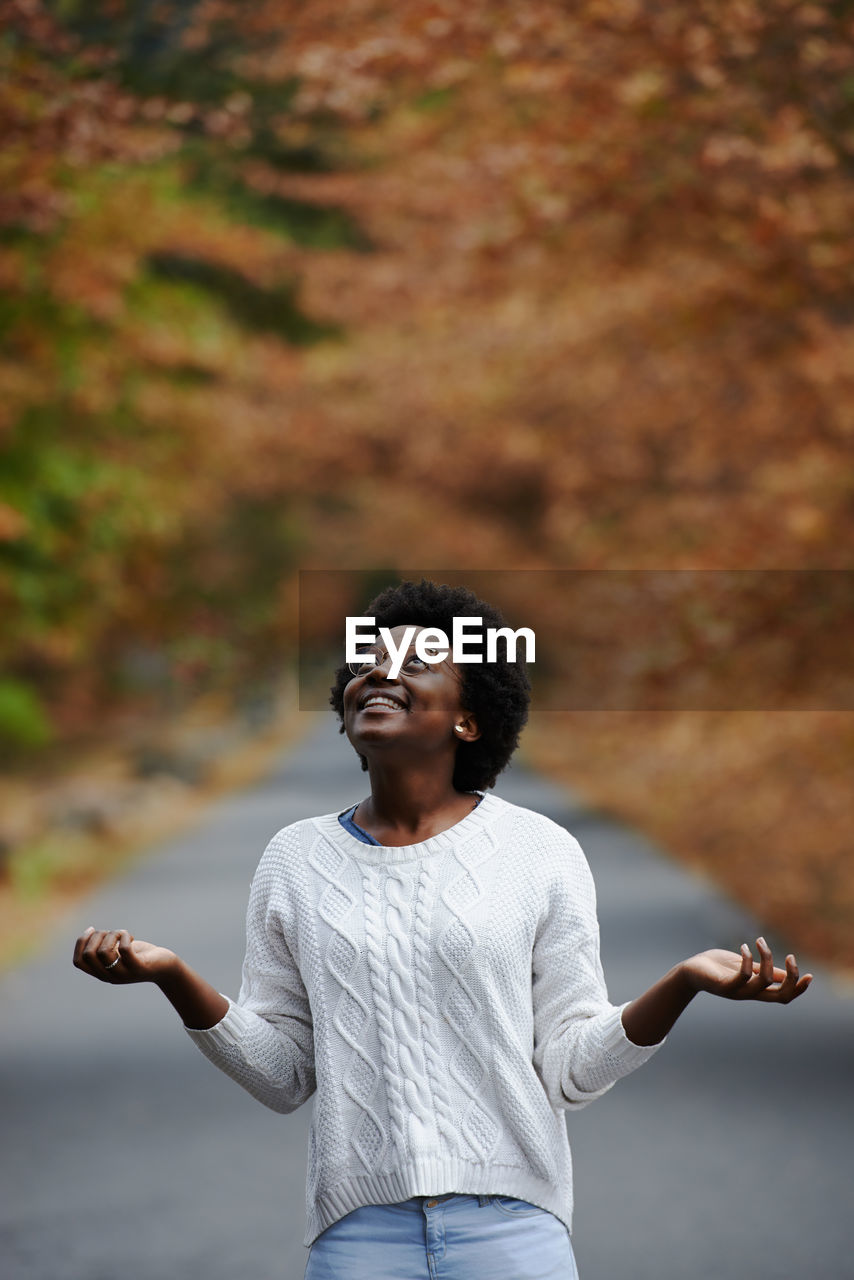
412, 664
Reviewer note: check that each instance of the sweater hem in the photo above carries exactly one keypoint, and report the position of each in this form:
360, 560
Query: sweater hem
433, 1177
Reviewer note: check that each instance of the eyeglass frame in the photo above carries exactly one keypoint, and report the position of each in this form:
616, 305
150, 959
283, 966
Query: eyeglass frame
364, 668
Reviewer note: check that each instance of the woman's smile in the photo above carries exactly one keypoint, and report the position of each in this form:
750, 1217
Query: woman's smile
387, 702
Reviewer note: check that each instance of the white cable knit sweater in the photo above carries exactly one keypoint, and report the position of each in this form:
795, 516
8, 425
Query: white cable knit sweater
444, 999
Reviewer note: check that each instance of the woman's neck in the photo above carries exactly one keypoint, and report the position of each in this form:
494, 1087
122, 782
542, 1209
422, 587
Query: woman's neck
407, 808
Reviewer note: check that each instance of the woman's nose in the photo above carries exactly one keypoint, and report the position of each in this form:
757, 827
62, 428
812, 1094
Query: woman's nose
379, 671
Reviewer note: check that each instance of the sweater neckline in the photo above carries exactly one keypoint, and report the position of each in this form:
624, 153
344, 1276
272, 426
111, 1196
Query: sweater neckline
381, 854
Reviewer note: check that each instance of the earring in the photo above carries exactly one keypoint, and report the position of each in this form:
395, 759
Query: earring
459, 728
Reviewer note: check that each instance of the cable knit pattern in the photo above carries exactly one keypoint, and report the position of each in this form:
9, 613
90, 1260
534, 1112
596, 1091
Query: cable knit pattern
436, 1065
361, 1075
400, 886
446, 1000
461, 1007
383, 1011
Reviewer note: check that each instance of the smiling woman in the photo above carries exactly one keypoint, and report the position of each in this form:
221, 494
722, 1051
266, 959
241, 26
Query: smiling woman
494, 694
426, 963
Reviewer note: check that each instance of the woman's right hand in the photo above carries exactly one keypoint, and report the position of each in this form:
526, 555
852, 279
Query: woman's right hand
115, 956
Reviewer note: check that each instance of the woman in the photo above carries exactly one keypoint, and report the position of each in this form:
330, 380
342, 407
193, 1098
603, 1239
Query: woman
427, 964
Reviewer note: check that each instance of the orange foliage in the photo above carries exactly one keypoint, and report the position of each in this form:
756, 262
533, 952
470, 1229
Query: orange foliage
476, 284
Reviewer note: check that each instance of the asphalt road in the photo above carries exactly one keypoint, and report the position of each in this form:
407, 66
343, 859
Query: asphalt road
127, 1156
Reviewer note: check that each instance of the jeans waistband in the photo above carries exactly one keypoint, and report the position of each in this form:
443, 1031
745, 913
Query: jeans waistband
451, 1195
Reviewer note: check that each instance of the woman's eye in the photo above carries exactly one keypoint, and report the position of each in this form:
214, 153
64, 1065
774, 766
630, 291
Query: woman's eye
414, 663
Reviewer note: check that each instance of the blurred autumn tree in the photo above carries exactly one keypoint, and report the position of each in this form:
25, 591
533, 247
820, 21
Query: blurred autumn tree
150, 316
359, 283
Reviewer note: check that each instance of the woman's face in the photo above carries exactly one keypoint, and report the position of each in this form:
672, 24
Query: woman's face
417, 711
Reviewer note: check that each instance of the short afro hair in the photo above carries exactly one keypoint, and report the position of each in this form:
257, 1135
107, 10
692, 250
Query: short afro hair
497, 693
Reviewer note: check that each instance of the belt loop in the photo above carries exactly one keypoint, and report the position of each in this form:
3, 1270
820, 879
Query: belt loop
482, 1200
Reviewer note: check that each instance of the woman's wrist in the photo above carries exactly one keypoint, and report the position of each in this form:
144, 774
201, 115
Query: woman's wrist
648, 1019
199, 1005
683, 981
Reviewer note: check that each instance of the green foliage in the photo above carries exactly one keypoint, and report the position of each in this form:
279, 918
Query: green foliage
313, 226
24, 722
435, 99
271, 310
307, 157
79, 517
148, 54
58, 861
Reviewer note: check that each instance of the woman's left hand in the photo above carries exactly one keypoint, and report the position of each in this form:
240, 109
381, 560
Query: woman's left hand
739, 977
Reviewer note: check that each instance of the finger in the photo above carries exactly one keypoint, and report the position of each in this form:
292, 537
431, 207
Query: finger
766, 962
791, 985
89, 955
786, 981
124, 951
108, 953
745, 973
80, 944
795, 985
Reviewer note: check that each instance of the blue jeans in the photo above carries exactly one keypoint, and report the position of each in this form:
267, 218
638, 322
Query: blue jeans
455, 1238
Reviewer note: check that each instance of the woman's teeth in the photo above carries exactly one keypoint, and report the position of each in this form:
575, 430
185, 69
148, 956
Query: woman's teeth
382, 702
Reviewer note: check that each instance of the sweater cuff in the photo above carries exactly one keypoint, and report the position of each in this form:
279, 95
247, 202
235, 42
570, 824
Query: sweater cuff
618, 1044
230, 1030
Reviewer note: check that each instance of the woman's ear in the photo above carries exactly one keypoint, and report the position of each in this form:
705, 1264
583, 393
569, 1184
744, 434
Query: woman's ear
465, 729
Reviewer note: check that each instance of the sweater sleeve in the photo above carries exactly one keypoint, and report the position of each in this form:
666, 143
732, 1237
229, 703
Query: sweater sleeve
265, 1040
580, 1046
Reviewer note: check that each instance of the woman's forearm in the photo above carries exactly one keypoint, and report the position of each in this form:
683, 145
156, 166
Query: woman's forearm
649, 1018
199, 1005
734, 975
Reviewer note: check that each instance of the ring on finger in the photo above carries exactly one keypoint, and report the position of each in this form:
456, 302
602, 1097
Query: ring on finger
113, 963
